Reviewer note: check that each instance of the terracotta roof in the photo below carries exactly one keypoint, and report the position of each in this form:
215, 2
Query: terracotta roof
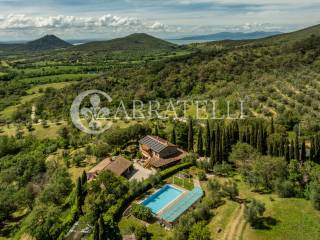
155, 143
158, 163
100, 166
118, 165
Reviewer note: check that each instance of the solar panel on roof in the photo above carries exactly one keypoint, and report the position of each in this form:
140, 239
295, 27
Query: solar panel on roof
153, 144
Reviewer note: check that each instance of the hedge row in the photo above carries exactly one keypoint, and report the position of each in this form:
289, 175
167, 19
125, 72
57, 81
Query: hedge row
115, 212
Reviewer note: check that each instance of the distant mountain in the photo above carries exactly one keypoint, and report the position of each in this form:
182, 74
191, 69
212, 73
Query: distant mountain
48, 42
292, 37
136, 41
231, 36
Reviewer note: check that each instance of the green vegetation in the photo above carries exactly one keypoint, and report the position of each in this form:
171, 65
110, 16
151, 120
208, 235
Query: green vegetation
141, 212
260, 175
181, 181
253, 210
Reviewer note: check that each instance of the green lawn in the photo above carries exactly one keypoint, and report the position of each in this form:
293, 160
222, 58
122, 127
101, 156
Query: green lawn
223, 215
289, 218
157, 232
184, 183
295, 219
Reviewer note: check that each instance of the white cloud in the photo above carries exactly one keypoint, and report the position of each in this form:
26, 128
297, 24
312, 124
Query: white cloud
19, 21
258, 2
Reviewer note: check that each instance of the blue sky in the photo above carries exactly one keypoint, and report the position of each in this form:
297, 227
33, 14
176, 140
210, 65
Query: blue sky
105, 19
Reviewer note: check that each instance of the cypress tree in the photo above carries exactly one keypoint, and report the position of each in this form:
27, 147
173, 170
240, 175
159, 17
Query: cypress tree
83, 178
156, 130
208, 139
312, 149
212, 156
223, 148
273, 149
291, 150
79, 188
287, 152
190, 136
269, 148
79, 196
303, 151
102, 233
260, 140
251, 138
271, 126
297, 149
84, 184
217, 142
317, 149
282, 149
200, 142
173, 135
96, 231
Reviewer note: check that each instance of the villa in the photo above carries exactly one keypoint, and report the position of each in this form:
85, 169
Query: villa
159, 153
118, 165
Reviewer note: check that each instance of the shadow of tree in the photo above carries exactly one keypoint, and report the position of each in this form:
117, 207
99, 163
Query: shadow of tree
266, 223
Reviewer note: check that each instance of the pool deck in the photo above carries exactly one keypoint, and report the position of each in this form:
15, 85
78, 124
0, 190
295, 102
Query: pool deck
184, 193
168, 214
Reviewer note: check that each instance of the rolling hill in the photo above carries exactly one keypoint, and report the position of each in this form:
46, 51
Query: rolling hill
278, 75
133, 42
231, 36
277, 79
48, 42
293, 36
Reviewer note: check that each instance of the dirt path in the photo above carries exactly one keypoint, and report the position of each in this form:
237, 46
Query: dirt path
236, 226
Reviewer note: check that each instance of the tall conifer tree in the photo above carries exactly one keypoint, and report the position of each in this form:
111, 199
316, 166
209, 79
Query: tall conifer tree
200, 142
96, 231
303, 151
271, 126
297, 149
173, 135
190, 136
102, 230
292, 156
208, 139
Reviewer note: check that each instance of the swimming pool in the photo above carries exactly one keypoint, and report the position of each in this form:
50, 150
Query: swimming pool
160, 199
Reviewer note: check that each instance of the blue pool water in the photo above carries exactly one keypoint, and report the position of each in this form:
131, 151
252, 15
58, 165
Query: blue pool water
157, 201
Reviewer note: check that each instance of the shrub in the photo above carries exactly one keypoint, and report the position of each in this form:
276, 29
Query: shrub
223, 169
214, 185
253, 210
285, 189
202, 176
141, 212
315, 196
230, 189
199, 231
141, 232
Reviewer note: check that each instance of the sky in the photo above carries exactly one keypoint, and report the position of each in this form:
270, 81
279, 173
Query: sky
106, 19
